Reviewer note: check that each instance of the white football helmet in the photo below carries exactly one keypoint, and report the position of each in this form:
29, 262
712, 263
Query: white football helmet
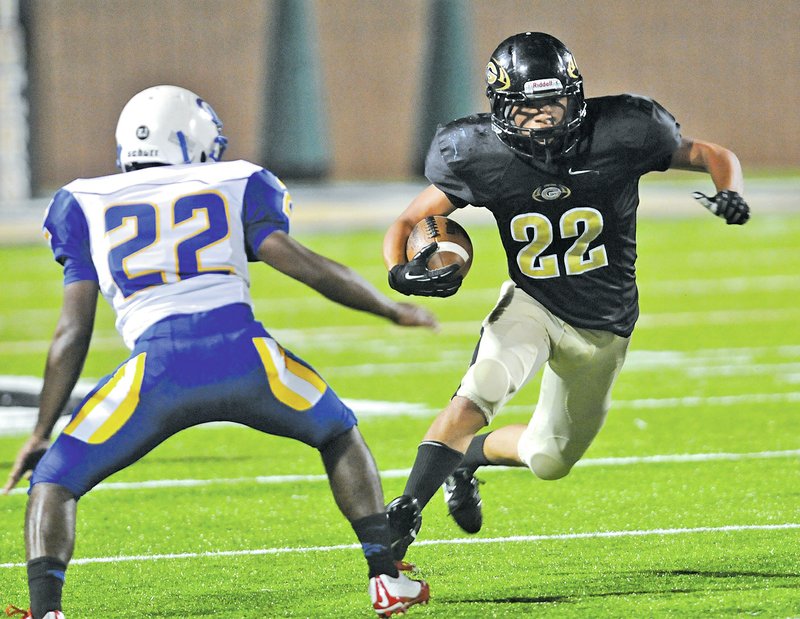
168, 125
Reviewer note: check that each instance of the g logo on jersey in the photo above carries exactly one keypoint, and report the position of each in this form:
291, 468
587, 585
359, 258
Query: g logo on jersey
550, 192
495, 73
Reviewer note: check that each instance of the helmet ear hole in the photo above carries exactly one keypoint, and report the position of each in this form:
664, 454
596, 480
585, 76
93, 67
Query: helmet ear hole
203, 157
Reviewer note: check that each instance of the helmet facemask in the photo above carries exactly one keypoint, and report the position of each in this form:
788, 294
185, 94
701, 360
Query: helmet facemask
513, 117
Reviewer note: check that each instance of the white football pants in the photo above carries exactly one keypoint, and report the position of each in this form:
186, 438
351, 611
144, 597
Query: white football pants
580, 366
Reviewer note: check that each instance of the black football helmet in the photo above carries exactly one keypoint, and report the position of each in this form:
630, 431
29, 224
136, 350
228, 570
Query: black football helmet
535, 68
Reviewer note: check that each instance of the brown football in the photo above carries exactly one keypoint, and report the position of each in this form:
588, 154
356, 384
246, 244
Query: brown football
455, 246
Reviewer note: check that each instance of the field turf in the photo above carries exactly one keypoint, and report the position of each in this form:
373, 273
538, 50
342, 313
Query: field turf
687, 504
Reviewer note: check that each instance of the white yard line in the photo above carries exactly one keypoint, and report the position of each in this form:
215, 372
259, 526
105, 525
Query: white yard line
309, 303
402, 473
514, 539
16, 420
713, 360
744, 285
339, 335
791, 397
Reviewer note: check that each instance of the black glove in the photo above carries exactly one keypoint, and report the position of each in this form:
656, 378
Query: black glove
414, 277
726, 204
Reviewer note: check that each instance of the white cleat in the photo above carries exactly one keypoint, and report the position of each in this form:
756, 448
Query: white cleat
394, 596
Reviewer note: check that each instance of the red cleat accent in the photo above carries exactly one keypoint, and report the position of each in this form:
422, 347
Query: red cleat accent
12, 611
405, 566
394, 596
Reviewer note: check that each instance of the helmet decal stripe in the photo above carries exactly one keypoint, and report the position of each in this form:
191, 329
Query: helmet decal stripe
572, 68
184, 147
497, 76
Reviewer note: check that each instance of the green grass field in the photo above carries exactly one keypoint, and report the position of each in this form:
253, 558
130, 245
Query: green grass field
687, 504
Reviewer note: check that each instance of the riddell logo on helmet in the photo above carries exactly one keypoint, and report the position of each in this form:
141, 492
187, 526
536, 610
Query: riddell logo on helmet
143, 152
550, 83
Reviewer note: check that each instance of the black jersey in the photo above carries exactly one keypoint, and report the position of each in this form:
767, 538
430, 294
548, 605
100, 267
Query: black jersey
569, 228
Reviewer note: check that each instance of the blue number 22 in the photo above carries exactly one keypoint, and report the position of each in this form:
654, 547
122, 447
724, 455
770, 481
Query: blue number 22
198, 221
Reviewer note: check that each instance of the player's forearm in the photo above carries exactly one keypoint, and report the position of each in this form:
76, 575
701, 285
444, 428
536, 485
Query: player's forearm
431, 201
346, 287
394, 243
724, 168
720, 163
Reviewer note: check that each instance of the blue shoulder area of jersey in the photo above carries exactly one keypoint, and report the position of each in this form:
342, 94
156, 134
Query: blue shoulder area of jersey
267, 208
68, 233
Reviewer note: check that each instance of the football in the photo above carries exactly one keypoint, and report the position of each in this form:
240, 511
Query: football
455, 246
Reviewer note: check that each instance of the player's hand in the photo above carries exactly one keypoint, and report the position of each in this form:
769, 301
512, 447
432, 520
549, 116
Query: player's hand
27, 459
408, 315
414, 277
726, 204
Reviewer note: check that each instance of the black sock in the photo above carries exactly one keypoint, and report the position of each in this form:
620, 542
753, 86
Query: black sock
475, 456
373, 533
45, 580
435, 461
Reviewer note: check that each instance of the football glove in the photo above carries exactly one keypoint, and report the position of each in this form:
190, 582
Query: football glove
414, 277
726, 204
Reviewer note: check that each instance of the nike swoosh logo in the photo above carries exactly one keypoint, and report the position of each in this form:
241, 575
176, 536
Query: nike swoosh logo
380, 594
576, 172
409, 276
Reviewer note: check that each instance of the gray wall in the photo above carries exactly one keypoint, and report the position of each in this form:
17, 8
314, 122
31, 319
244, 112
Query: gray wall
727, 69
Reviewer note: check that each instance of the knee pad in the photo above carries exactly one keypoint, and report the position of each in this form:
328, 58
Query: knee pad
488, 379
545, 463
547, 467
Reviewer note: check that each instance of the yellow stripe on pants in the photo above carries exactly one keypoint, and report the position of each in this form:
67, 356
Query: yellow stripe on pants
291, 382
111, 406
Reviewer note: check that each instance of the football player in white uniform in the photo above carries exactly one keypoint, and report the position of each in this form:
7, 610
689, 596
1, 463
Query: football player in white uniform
167, 244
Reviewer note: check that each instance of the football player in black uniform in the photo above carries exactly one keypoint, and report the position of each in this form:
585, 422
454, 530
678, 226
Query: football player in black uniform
560, 174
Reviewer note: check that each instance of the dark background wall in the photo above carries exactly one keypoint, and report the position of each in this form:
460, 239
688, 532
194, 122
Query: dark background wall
727, 69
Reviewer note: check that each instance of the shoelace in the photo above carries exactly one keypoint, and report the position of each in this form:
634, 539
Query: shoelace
12, 610
463, 493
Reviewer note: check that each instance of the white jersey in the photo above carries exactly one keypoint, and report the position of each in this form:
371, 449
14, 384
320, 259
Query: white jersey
166, 240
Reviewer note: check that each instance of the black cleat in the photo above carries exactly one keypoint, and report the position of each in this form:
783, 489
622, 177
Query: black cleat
464, 500
405, 519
